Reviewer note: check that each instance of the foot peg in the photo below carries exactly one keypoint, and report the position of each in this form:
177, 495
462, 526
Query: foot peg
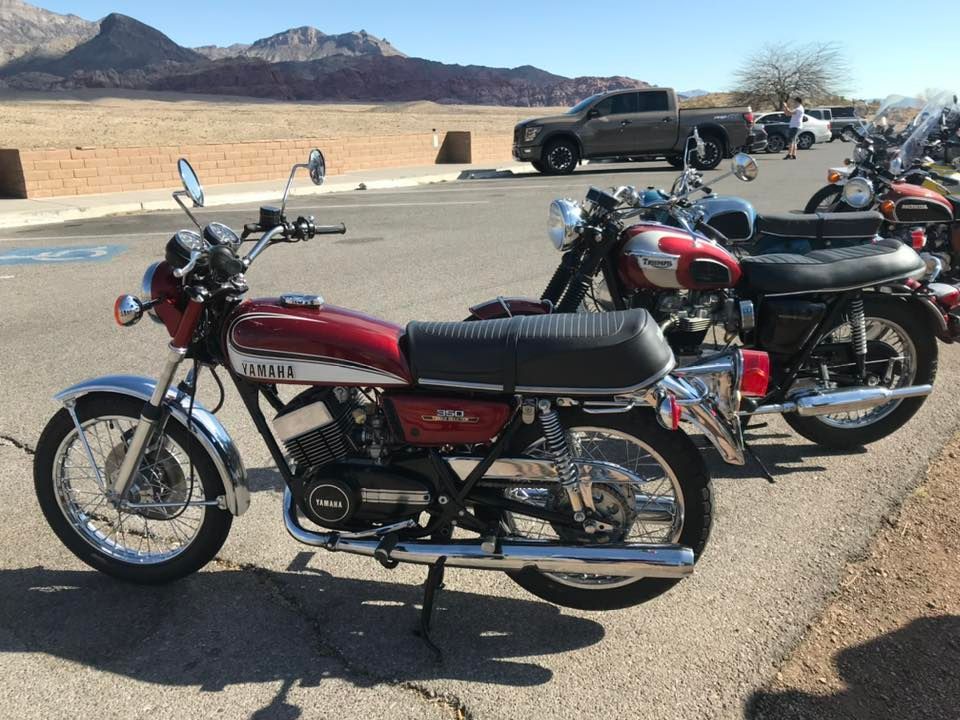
383, 550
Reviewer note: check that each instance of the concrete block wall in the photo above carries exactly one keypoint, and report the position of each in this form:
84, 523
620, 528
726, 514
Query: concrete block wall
81, 171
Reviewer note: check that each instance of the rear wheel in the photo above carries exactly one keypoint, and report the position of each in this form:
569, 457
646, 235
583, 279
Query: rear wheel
848, 135
670, 504
145, 545
776, 143
712, 153
560, 157
806, 141
901, 351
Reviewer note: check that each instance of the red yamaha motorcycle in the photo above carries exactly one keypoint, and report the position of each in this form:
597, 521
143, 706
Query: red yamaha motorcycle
554, 442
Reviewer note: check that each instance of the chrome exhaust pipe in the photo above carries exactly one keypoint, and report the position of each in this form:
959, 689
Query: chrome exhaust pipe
840, 401
629, 560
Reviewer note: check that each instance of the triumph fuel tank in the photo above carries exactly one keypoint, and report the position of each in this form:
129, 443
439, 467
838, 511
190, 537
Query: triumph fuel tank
276, 341
662, 257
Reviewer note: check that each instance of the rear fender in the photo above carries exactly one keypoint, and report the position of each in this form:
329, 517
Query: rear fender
927, 308
207, 429
504, 307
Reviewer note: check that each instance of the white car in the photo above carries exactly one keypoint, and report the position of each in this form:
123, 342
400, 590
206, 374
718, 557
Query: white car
813, 130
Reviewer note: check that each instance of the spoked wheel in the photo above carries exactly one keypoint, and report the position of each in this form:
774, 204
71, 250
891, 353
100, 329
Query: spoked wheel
712, 154
161, 531
776, 143
560, 157
901, 351
670, 503
805, 141
827, 199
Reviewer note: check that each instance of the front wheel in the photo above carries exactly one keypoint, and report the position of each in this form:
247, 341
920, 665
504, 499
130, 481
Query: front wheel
805, 141
539, 166
670, 503
901, 351
712, 154
776, 143
170, 535
560, 157
827, 199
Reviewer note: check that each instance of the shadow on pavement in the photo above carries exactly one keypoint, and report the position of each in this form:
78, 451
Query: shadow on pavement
220, 628
907, 675
778, 458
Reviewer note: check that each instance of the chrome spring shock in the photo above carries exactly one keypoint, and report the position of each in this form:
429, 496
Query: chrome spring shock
858, 332
560, 450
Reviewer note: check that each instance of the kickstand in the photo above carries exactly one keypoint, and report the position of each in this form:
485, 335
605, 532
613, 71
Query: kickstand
764, 472
433, 584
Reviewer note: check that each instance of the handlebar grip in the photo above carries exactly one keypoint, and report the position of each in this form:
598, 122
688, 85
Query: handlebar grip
339, 229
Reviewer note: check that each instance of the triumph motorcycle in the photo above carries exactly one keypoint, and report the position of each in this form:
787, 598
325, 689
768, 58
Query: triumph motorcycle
851, 334
554, 444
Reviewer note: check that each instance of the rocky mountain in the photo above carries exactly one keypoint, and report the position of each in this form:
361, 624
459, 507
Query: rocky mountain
304, 44
690, 94
28, 31
298, 64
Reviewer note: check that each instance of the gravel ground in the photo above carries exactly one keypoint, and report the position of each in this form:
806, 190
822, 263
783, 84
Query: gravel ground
888, 645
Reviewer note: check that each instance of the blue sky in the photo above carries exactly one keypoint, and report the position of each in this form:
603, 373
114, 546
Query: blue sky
683, 43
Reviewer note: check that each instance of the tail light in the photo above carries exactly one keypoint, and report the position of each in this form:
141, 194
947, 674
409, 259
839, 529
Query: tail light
887, 207
830, 126
755, 376
948, 296
748, 116
918, 239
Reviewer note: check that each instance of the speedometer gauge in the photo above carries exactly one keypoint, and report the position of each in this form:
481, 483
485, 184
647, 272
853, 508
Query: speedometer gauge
219, 234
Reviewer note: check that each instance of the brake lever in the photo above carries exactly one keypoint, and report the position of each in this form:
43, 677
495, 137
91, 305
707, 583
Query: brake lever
195, 255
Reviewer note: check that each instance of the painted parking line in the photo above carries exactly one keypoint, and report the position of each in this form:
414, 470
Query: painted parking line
60, 255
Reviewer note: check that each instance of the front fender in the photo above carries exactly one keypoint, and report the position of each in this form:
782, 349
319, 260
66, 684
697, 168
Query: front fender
207, 429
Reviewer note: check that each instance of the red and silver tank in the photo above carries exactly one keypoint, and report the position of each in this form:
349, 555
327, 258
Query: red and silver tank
907, 203
657, 256
299, 340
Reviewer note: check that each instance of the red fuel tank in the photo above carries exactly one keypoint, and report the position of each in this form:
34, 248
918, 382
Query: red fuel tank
916, 204
663, 257
269, 341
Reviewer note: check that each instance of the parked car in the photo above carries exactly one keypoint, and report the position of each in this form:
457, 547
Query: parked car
777, 123
757, 140
826, 114
637, 124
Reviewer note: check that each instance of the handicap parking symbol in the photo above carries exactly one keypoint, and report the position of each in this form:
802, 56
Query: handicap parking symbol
60, 255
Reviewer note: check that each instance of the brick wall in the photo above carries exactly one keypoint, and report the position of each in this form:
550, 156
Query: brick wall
51, 173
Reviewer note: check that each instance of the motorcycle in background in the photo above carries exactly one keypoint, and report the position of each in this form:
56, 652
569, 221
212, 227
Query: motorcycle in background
556, 446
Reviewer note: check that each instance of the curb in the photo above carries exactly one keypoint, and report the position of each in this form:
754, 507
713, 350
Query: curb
66, 213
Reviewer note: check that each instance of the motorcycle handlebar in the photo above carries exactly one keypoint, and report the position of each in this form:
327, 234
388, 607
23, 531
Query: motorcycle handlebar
338, 229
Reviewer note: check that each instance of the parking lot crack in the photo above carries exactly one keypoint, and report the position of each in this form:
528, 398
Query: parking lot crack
448, 701
12, 441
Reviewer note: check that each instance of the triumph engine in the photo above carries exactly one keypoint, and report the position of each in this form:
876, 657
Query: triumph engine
337, 443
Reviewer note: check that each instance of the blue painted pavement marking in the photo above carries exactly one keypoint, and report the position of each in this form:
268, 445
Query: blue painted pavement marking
60, 255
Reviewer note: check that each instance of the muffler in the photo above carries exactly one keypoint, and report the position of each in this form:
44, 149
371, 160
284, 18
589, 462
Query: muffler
627, 560
843, 400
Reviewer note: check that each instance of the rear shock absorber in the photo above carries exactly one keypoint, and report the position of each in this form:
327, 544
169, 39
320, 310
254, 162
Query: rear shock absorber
557, 445
858, 334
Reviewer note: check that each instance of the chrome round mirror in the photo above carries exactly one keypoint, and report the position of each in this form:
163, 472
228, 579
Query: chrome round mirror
318, 166
745, 167
191, 183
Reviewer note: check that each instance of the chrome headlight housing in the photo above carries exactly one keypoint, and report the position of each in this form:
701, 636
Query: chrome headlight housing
858, 193
530, 133
564, 223
860, 154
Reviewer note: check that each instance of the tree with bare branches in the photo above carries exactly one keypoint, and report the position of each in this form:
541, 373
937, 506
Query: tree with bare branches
776, 73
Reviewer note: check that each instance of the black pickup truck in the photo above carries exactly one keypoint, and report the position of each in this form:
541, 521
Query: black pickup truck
630, 124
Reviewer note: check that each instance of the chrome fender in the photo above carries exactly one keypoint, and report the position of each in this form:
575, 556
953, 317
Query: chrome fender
207, 429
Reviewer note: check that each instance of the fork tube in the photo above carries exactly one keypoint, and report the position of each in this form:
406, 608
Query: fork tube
152, 411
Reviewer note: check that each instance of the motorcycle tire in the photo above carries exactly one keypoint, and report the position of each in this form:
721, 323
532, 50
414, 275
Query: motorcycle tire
209, 536
905, 316
828, 194
677, 452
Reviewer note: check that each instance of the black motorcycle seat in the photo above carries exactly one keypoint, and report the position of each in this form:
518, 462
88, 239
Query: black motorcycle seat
568, 354
822, 226
831, 270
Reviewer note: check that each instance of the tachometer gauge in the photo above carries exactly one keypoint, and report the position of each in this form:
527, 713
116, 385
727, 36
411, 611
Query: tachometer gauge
219, 234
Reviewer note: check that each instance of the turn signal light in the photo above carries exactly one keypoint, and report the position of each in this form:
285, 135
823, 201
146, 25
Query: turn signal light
127, 310
833, 177
918, 238
755, 378
887, 207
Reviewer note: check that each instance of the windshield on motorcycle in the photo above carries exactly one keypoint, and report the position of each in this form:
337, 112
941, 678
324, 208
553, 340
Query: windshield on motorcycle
922, 127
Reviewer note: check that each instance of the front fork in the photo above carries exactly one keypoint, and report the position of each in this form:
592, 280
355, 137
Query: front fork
152, 414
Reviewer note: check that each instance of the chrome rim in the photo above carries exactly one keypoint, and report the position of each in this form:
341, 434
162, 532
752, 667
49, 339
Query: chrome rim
137, 537
903, 352
805, 142
561, 157
711, 153
656, 504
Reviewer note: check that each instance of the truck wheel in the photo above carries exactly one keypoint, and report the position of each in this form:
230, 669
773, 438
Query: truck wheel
560, 157
675, 161
712, 153
805, 141
848, 135
776, 144
538, 166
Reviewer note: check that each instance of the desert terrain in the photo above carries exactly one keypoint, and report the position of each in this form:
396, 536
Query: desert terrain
116, 118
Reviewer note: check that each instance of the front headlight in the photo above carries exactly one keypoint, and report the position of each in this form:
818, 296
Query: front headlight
859, 154
564, 224
858, 193
530, 133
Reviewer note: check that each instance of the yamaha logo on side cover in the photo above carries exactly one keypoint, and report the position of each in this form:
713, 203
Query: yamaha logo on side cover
329, 502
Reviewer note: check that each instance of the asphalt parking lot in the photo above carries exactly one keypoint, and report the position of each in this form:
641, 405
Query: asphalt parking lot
275, 630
